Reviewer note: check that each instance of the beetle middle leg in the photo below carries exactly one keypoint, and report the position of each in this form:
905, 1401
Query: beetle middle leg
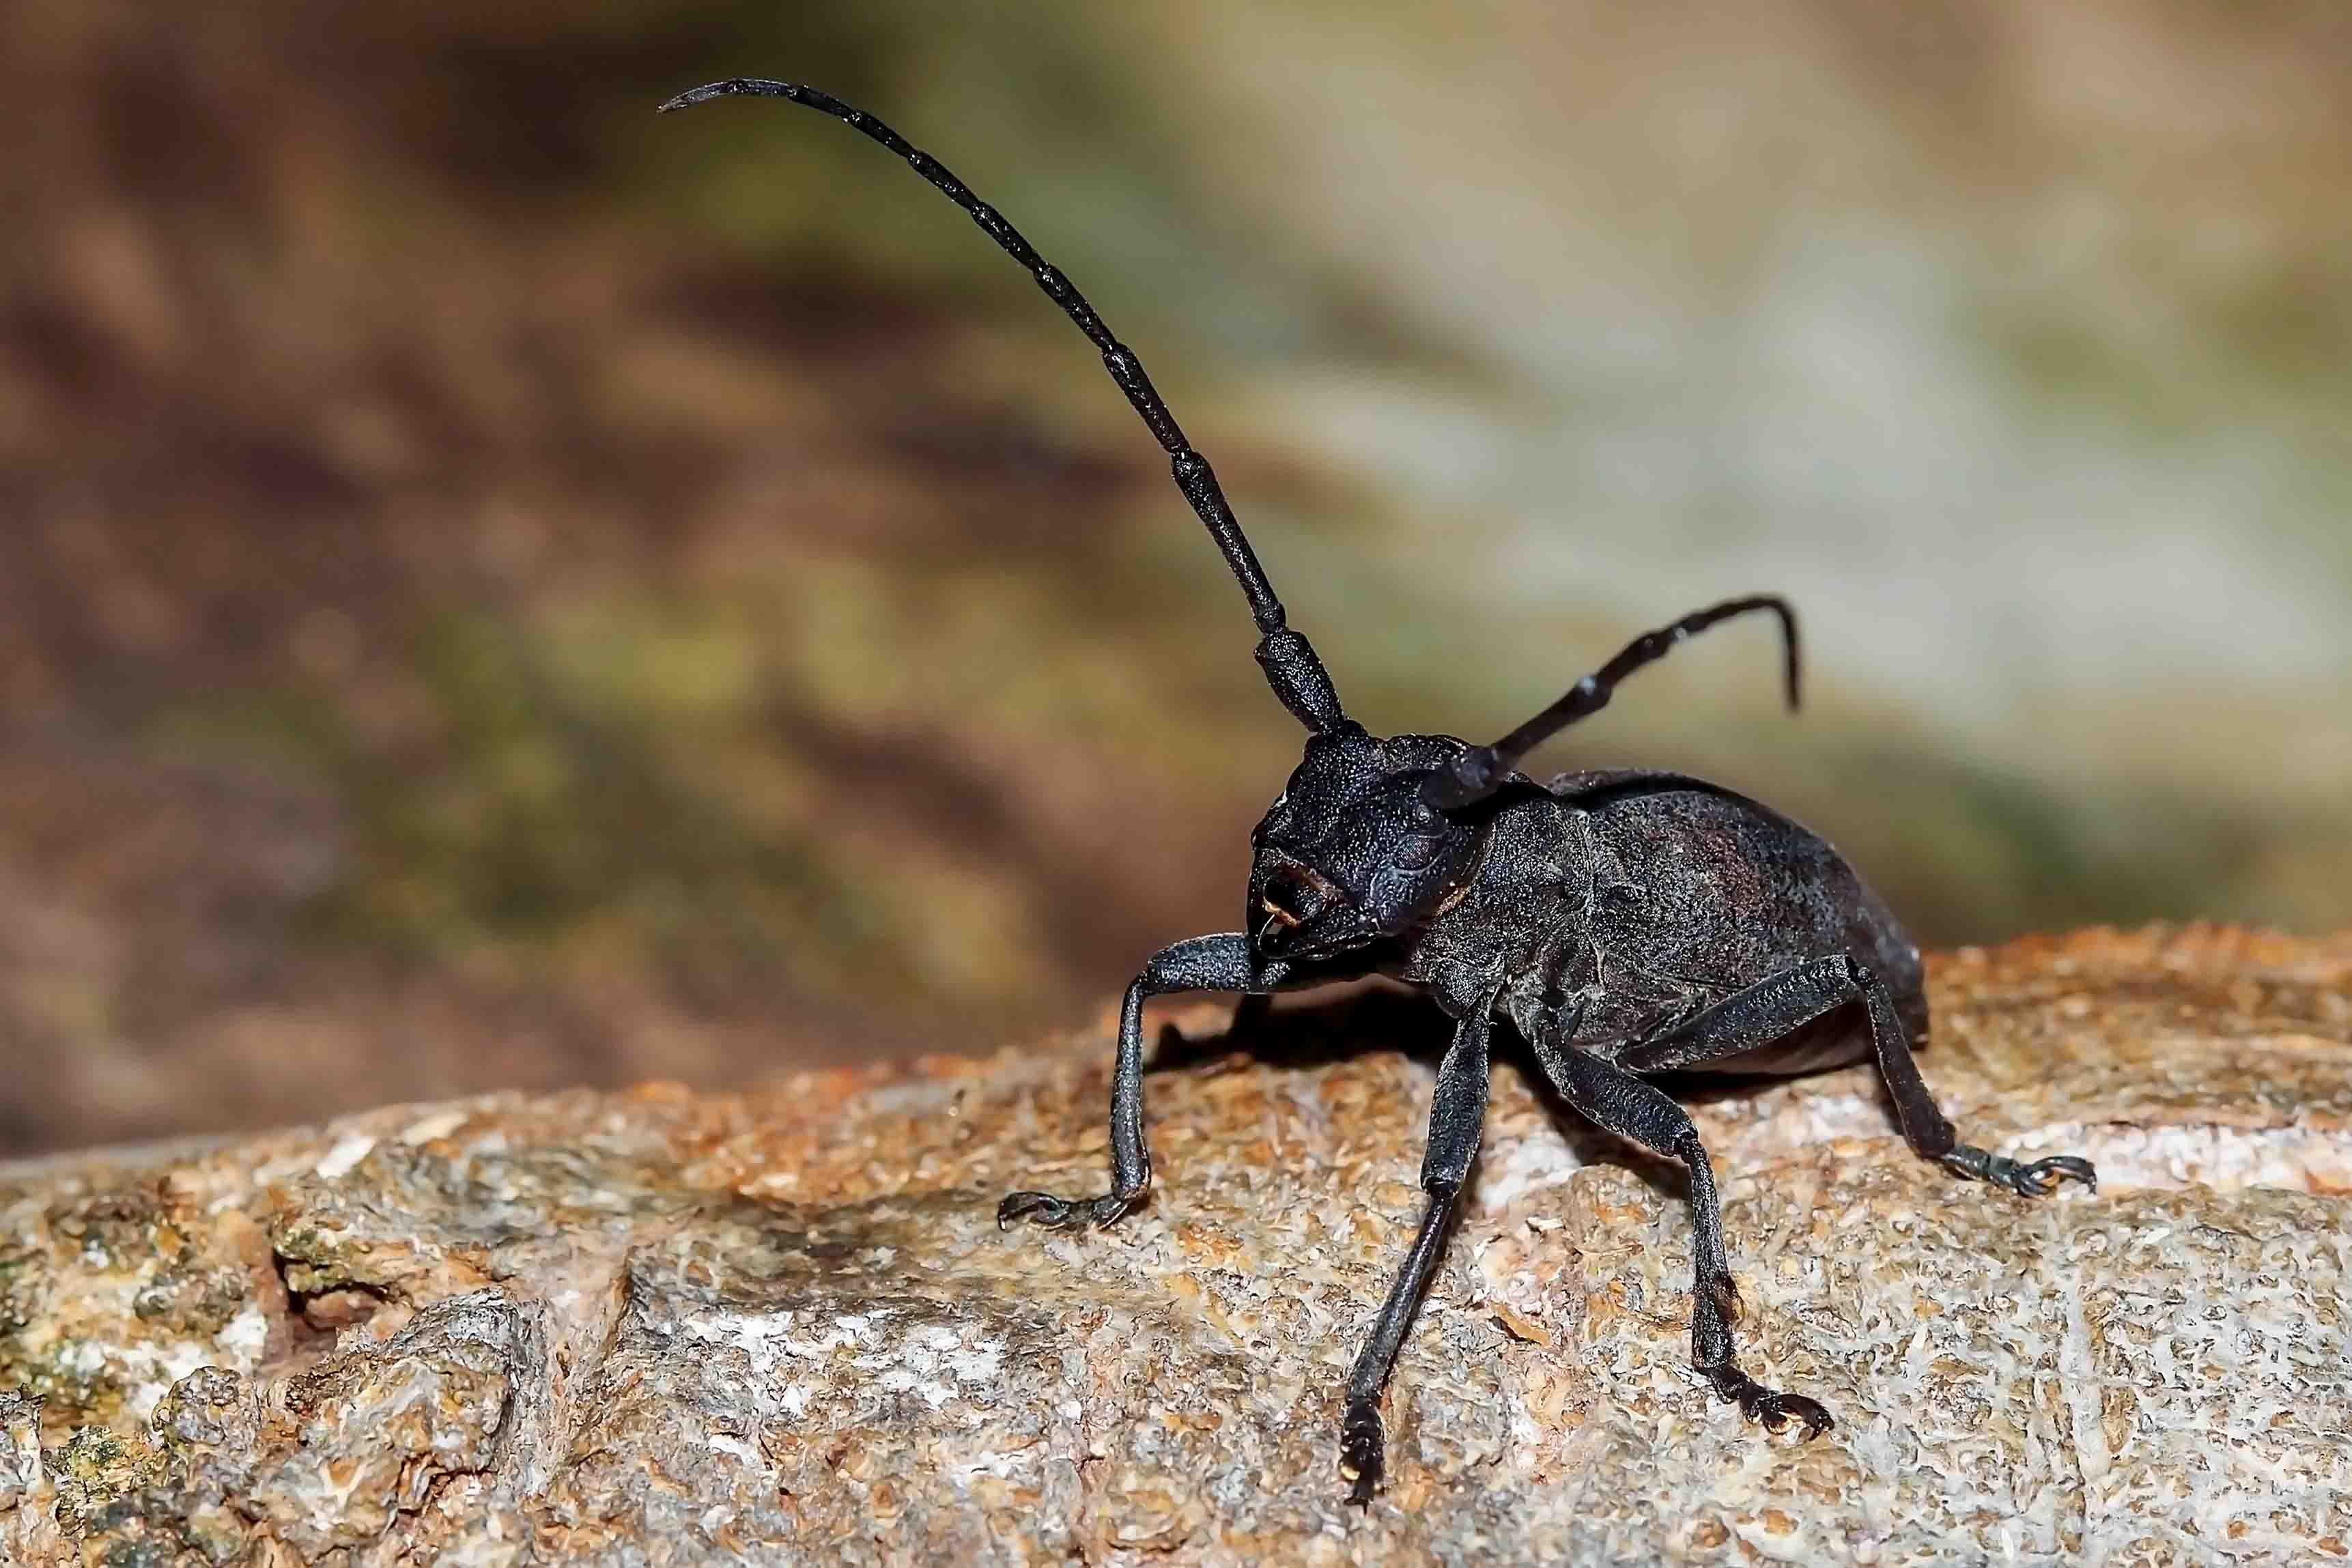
1775, 1006
1457, 1112
1623, 1104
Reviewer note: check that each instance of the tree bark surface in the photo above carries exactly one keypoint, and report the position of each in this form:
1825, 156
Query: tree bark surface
658, 1327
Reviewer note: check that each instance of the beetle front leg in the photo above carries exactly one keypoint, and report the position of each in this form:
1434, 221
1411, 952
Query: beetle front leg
1220, 963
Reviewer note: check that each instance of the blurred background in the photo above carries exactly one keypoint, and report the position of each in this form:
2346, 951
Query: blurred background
498, 588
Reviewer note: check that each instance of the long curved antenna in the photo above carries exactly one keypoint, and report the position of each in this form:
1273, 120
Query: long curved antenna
1481, 771
1291, 667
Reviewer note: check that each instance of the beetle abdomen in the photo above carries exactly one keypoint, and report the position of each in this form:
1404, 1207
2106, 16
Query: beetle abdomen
1699, 892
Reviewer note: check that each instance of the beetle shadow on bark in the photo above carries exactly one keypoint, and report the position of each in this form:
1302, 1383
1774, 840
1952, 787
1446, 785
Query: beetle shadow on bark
1336, 1023
1346, 1021
1842, 1035
1591, 1143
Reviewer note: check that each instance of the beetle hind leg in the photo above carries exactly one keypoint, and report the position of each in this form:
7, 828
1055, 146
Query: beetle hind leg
1781, 1004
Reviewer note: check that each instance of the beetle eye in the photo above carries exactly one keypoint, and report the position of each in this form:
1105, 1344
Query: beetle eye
1417, 852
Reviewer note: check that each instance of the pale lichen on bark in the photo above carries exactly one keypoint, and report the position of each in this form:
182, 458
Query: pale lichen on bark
657, 1327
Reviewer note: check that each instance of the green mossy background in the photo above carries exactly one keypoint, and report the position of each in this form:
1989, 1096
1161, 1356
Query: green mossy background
499, 588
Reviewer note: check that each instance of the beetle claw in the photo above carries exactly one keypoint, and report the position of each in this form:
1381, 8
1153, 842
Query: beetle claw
1058, 1213
1771, 1408
2038, 1179
2048, 1173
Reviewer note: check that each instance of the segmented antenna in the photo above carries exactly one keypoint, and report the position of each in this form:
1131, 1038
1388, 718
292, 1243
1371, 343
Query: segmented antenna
1482, 769
1291, 666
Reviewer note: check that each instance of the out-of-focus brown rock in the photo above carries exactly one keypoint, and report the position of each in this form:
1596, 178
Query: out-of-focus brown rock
783, 1327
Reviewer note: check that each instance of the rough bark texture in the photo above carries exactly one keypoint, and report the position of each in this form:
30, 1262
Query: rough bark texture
783, 1327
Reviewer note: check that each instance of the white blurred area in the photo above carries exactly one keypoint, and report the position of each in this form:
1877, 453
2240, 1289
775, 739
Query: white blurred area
1998, 353
2010, 339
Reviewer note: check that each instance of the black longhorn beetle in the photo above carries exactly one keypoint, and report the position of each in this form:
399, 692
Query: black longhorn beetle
1626, 923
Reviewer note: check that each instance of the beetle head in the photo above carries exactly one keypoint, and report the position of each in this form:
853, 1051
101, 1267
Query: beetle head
1352, 853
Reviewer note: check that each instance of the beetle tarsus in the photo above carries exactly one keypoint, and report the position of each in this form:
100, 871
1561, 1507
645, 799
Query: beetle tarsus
1362, 1452
1059, 1213
2038, 1179
1770, 1407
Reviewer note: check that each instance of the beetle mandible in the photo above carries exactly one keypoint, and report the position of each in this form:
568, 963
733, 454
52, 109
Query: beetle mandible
1624, 922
